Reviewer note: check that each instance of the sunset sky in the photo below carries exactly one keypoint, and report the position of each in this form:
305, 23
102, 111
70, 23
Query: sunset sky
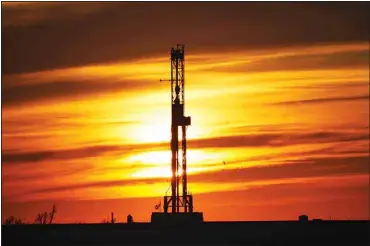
279, 91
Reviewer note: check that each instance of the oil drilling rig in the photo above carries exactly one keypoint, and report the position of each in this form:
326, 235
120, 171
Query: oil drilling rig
178, 207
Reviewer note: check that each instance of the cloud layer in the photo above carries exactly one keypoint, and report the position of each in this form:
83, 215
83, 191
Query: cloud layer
37, 39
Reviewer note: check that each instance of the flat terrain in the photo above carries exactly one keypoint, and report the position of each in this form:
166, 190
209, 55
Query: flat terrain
209, 233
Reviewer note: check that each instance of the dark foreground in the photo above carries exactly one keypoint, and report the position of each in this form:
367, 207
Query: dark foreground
209, 233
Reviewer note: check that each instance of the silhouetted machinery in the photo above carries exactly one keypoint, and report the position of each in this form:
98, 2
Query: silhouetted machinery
178, 208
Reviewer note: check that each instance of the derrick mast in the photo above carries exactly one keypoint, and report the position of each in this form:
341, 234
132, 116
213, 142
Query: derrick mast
178, 207
180, 122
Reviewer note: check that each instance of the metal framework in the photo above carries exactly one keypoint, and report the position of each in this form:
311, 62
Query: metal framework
178, 202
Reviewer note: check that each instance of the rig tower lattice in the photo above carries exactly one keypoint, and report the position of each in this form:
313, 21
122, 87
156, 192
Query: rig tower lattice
178, 202
178, 207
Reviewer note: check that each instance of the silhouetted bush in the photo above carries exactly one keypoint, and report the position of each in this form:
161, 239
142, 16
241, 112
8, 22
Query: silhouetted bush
105, 221
45, 218
13, 221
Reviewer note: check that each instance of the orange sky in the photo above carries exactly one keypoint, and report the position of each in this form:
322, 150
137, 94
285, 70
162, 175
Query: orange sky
291, 122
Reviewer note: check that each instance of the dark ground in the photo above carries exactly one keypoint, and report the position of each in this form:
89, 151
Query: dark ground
350, 233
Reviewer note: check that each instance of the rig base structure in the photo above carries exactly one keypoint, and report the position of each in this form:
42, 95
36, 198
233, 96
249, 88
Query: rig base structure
178, 207
176, 219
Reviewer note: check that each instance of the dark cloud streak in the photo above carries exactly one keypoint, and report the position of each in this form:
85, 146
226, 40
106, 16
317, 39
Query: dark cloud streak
252, 140
101, 184
323, 100
83, 152
303, 62
13, 95
126, 31
306, 168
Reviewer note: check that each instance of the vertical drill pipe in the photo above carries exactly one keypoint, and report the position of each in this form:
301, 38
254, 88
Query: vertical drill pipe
177, 140
174, 147
184, 171
173, 140
184, 167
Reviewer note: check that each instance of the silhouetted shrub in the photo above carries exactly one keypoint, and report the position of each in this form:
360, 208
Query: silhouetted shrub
45, 218
13, 221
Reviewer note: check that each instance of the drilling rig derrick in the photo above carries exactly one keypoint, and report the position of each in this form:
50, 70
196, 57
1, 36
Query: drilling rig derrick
180, 203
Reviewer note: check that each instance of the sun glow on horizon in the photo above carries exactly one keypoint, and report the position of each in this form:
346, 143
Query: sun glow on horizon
158, 163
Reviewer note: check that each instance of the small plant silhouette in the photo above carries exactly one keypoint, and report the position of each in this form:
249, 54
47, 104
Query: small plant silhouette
52, 214
105, 221
46, 218
13, 221
112, 220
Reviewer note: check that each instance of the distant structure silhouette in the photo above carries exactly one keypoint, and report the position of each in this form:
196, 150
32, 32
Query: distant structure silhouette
303, 218
130, 220
112, 219
179, 204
